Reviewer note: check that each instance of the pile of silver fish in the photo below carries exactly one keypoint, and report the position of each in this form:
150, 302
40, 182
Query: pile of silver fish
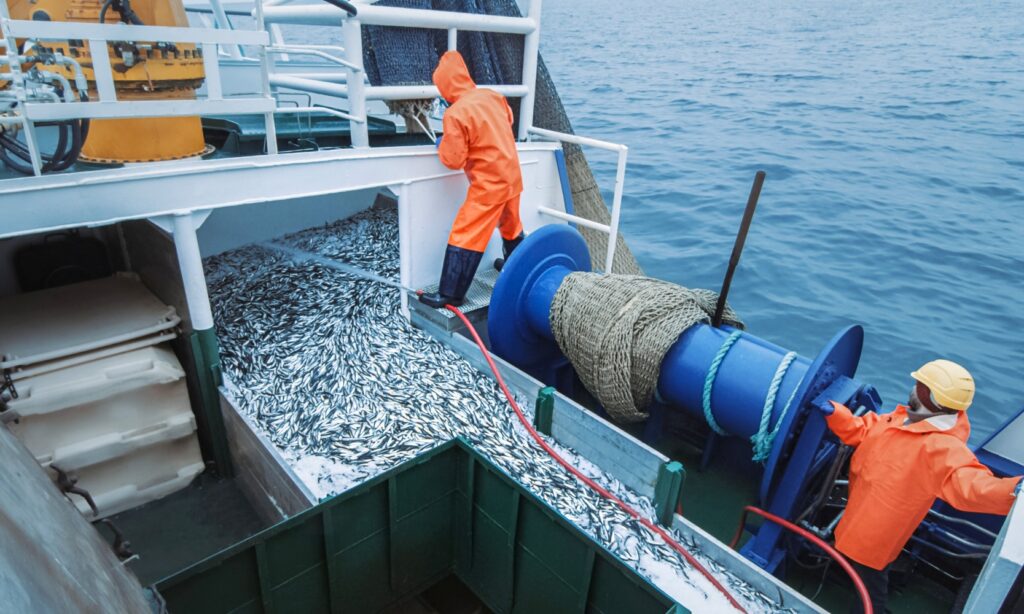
323, 361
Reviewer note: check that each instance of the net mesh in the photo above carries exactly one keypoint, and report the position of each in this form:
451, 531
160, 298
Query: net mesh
616, 330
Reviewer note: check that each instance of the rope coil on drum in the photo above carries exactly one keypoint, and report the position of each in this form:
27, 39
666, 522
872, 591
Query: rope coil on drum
617, 329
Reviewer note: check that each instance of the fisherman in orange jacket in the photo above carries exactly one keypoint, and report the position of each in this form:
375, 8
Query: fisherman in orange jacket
903, 461
477, 136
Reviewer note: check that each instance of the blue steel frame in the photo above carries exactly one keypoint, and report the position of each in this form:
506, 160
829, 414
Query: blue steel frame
520, 332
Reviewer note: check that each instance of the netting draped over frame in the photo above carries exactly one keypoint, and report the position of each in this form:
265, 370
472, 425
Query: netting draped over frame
616, 330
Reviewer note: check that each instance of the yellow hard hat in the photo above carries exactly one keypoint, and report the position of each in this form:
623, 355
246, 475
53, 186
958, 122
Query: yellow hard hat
951, 385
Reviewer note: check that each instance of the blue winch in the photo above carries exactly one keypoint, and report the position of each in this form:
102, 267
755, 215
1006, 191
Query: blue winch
735, 368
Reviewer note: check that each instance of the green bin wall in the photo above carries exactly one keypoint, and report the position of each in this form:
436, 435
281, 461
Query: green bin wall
447, 511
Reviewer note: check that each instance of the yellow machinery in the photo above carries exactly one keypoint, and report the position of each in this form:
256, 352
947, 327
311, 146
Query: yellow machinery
142, 71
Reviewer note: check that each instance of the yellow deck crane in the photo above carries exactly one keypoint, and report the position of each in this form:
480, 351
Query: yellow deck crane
142, 71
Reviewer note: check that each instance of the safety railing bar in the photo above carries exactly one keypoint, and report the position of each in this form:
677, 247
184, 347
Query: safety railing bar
40, 112
209, 11
325, 110
370, 15
613, 235
64, 30
224, 23
575, 139
402, 92
575, 219
211, 66
303, 50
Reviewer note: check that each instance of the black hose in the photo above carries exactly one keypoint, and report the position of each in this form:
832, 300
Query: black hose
104, 9
348, 7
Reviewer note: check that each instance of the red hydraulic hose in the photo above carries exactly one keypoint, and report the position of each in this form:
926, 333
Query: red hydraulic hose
576, 472
862, 590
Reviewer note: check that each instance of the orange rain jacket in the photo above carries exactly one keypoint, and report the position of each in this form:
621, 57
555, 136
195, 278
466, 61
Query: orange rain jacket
897, 472
478, 137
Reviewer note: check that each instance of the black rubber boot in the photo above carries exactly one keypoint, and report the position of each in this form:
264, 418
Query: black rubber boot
507, 247
457, 274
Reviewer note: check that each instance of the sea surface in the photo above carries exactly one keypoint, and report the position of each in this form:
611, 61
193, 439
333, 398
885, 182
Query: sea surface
892, 134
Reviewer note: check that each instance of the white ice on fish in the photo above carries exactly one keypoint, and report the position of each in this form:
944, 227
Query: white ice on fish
324, 364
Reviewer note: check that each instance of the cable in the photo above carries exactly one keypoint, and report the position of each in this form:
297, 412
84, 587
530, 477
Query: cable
858, 584
672, 543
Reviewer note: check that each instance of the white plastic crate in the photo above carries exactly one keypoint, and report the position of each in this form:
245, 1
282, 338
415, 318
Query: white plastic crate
56, 323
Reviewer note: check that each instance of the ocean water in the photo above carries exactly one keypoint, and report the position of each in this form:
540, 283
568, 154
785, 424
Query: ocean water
892, 134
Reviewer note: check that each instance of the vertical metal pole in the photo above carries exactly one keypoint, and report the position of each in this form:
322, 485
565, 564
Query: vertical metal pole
352, 39
531, 48
202, 344
224, 23
613, 232
18, 86
268, 118
453, 39
190, 261
404, 245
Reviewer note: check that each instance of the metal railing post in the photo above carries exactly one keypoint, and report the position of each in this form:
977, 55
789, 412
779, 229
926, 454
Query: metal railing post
268, 118
613, 233
224, 23
453, 39
531, 49
352, 40
18, 86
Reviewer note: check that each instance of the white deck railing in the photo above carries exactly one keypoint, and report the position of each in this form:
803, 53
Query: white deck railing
343, 75
612, 228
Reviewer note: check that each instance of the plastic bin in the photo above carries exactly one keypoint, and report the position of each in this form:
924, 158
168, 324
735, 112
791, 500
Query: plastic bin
123, 423
60, 322
144, 475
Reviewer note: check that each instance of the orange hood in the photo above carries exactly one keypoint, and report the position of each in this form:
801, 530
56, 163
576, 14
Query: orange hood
452, 77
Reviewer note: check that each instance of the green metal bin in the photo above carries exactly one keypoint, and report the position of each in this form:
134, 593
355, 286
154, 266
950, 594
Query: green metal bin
448, 511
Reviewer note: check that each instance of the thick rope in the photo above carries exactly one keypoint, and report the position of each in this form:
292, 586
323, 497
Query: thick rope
765, 435
616, 330
709, 380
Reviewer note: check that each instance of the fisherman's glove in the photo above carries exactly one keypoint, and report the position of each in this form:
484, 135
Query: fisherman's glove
826, 409
437, 143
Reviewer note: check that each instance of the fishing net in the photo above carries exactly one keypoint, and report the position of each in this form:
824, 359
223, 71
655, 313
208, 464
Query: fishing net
408, 56
416, 113
616, 330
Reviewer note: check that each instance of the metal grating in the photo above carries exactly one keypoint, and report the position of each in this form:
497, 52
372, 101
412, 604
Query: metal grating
477, 300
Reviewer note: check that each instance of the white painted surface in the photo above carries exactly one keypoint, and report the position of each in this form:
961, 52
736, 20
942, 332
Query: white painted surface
429, 208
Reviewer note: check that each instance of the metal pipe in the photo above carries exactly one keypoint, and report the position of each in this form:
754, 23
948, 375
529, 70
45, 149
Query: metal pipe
453, 39
319, 15
190, 262
407, 92
613, 234
352, 39
531, 50
576, 139
314, 51
315, 86
224, 23
325, 110
964, 522
268, 118
574, 219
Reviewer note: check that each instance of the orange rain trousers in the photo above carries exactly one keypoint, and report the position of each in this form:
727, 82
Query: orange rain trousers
478, 138
897, 472
476, 221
